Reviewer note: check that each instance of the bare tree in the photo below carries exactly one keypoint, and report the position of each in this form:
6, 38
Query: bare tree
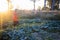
34, 1
56, 4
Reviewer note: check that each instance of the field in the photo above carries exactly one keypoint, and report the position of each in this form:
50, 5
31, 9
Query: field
33, 28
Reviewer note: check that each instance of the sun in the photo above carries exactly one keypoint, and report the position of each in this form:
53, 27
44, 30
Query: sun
3, 6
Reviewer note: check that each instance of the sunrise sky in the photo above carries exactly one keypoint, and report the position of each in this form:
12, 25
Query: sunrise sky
26, 4
20, 4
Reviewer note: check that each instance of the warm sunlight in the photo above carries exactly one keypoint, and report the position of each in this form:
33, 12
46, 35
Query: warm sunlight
20, 4
5, 14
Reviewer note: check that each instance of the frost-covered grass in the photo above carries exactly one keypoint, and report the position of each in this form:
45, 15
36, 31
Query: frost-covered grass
33, 29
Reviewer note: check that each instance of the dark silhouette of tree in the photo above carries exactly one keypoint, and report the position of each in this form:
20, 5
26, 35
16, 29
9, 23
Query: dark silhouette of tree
56, 5
34, 1
49, 2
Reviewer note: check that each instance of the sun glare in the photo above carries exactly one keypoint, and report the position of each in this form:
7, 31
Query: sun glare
3, 5
26, 4
20, 4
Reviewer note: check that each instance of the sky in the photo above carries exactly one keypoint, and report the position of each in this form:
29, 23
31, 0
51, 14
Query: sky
20, 4
27, 4
3, 5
